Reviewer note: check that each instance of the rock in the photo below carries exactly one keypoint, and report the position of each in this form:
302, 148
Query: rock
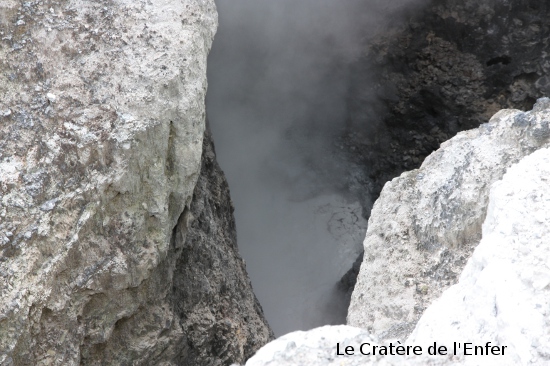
427, 222
502, 296
448, 68
101, 139
314, 347
423, 77
220, 316
51, 97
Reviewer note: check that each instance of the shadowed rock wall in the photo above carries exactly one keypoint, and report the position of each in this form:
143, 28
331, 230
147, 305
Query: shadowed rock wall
221, 318
449, 68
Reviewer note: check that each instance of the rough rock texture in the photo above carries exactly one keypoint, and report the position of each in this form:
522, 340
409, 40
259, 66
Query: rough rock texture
221, 318
502, 297
504, 291
449, 68
101, 126
427, 222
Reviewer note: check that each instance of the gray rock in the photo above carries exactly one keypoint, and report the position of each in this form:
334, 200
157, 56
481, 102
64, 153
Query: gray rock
221, 318
315, 347
422, 231
101, 138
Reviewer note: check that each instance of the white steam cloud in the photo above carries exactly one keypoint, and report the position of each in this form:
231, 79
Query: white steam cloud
278, 84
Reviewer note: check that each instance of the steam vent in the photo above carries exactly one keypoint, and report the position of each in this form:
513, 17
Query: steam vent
379, 193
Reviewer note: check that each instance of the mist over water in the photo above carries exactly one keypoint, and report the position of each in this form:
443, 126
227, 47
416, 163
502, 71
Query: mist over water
277, 104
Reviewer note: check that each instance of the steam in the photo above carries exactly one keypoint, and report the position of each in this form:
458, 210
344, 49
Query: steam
277, 103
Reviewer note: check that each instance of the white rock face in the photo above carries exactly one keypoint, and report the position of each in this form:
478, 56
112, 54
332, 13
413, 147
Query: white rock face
503, 295
101, 124
426, 223
314, 347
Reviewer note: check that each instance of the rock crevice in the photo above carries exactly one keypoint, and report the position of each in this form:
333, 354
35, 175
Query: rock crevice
485, 189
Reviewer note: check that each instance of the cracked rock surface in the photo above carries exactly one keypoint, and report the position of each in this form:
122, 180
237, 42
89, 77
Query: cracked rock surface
101, 135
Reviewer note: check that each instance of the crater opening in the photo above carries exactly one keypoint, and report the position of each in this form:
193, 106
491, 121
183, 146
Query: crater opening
278, 104
315, 104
